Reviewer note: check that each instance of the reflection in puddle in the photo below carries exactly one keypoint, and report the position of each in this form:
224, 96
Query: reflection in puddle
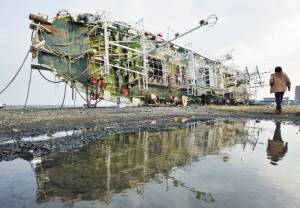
181, 120
213, 164
277, 148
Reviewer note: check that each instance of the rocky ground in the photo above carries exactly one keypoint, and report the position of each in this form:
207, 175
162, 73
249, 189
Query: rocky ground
93, 124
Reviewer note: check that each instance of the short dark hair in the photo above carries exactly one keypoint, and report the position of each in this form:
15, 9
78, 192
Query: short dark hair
278, 69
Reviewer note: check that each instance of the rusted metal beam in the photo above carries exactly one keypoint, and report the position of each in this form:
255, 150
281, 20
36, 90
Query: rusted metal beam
39, 19
42, 67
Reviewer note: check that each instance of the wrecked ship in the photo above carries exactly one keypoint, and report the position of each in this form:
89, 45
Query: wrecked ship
103, 59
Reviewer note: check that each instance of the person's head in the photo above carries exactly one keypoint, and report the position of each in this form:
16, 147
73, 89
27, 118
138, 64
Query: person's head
278, 69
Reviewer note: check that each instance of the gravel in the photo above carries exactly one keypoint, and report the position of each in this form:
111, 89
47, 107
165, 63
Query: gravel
90, 125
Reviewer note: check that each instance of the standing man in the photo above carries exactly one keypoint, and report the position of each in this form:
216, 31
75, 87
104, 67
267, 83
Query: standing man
279, 82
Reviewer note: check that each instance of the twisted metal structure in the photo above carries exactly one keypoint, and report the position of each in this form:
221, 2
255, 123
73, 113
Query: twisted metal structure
116, 61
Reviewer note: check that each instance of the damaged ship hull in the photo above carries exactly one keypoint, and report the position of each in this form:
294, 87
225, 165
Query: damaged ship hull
114, 61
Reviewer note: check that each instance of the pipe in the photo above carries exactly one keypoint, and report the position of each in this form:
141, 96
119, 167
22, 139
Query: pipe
39, 19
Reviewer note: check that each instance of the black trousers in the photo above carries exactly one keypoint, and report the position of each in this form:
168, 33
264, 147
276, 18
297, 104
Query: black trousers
278, 97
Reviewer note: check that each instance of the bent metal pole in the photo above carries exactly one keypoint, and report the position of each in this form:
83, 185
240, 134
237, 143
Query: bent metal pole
210, 21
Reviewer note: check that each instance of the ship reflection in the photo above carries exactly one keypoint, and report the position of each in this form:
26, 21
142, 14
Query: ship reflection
277, 148
130, 161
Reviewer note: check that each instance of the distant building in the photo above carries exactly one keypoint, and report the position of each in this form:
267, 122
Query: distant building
297, 95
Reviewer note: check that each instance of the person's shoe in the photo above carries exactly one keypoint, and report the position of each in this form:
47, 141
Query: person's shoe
278, 111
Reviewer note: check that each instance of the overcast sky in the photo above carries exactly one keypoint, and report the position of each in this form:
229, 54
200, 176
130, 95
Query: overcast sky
263, 33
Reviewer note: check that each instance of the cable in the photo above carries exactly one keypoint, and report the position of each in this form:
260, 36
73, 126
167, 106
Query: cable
74, 93
80, 94
28, 89
98, 101
55, 82
64, 96
14, 77
211, 20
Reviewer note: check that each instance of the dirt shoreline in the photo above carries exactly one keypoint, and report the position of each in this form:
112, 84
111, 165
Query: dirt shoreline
16, 123
95, 124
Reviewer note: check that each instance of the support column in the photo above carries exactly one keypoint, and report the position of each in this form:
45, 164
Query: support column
106, 45
145, 65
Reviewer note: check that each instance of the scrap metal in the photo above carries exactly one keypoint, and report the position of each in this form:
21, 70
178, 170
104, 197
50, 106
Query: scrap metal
116, 61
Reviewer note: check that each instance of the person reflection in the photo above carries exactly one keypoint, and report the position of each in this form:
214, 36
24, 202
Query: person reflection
277, 148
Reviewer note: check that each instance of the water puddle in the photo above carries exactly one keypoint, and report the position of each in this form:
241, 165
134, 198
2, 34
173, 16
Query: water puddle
214, 164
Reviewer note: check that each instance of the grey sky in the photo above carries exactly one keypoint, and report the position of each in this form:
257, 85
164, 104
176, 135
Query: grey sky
263, 33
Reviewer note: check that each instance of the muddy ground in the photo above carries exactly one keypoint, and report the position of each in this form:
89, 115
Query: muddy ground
94, 124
